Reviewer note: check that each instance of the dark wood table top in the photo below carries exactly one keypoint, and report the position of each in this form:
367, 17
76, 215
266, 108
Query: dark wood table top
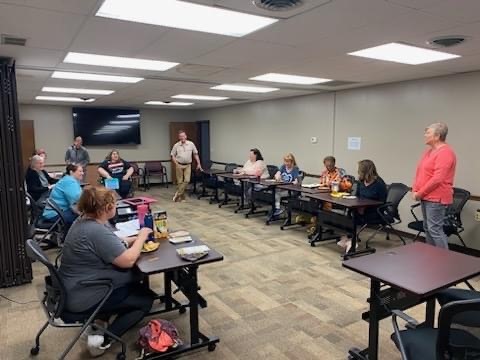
215, 171
267, 182
302, 189
165, 258
348, 203
418, 268
238, 176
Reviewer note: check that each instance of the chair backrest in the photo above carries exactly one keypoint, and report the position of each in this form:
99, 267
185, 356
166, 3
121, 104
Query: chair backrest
154, 166
230, 167
460, 198
56, 294
272, 170
208, 165
135, 167
51, 204
396, 192
454, 313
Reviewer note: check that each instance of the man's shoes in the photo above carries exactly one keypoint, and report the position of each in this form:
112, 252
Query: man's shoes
176, 197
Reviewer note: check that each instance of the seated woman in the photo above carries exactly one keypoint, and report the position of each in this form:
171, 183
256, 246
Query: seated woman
115, 167
289, 173
37, 180
370, 186
66, 194
92, 252
331, 172
254, 166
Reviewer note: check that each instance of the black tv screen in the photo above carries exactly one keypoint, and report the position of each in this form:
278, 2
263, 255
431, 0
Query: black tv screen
102, 126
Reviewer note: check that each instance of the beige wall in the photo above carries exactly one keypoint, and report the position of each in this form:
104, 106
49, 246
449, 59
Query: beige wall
390, 119
275, 127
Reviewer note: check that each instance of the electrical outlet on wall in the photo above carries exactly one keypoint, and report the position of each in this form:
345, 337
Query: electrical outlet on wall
477, 215
313, 139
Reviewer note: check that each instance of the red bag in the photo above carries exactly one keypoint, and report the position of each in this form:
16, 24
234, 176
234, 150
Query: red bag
158, 336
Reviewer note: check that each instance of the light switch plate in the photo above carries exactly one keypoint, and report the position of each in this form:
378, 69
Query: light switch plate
313, 139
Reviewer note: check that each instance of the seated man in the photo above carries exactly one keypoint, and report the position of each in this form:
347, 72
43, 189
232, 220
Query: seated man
38, 181
115, 167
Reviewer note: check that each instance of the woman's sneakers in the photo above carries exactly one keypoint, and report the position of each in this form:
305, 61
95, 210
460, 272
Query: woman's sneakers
97, 345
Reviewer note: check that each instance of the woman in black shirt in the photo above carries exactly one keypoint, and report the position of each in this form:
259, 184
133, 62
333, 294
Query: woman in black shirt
370, 186
37, 180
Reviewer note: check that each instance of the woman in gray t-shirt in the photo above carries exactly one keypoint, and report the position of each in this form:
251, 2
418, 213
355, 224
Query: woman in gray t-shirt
92, 252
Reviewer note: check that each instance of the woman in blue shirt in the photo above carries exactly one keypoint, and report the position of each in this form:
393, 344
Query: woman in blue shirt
66, 194
289, 173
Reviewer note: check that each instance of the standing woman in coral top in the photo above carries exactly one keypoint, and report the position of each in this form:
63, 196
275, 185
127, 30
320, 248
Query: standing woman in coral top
433, 185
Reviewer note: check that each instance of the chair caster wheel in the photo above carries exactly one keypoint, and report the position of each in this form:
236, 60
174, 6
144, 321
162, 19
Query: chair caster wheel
267, 222
212, 347
312, 244
182, 310
246, 216
34, 351
281, 228
121, 356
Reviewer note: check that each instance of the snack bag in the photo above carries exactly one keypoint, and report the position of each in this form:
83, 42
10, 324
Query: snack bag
160, 222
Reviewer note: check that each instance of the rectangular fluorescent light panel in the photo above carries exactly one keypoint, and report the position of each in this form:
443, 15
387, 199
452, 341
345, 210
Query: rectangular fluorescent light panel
244, 88
63, 98
118, 61
184, 15
404, 54
95, 77
200, 97
77, 91
290, 79
172, 103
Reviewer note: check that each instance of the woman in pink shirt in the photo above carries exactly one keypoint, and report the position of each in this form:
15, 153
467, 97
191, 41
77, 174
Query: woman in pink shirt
433, 185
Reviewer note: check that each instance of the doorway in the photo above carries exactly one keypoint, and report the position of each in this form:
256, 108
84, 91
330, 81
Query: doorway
191, 129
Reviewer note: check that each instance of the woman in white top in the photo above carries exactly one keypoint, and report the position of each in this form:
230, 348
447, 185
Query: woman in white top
254, 165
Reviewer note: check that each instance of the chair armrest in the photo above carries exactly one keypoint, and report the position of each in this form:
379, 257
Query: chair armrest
411, 321
412, 210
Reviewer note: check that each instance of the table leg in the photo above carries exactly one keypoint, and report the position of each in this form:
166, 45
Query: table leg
353, 249
430, 313
371, 353
288, 220
167, 278
271, 216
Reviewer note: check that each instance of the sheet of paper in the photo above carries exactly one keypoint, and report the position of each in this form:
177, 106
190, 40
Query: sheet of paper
127, 228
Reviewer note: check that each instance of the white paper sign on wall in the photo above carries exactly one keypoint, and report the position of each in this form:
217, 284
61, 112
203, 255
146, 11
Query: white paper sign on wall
354, 143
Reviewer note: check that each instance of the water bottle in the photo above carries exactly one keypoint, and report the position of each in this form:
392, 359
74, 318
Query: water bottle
148, 222
142, 210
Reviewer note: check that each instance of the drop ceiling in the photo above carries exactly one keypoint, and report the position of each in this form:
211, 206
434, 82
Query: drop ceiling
312, 40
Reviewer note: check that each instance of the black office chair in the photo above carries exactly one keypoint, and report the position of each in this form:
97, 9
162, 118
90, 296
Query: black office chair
442, 343
59, 224
388, 214
453, 221
54, 301
43, 230
263, 196
230, 188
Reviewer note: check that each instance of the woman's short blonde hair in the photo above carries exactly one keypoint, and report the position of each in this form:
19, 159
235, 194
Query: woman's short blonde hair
290, 157
96, 200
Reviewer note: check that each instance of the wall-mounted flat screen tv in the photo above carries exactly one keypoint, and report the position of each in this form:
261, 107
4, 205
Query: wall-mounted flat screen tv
105, 126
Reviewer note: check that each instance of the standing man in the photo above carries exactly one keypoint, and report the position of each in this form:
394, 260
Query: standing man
77, 154
181, 154
433, 185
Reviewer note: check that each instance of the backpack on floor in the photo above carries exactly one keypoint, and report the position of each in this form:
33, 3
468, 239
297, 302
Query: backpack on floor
158, 336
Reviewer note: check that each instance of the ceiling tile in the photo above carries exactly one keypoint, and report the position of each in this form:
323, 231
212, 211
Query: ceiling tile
193, 44
30, 57
83, 7
42, 28
115, 37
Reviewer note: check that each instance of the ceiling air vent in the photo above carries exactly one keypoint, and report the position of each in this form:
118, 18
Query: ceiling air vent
447, 41
12, 40
278, 5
